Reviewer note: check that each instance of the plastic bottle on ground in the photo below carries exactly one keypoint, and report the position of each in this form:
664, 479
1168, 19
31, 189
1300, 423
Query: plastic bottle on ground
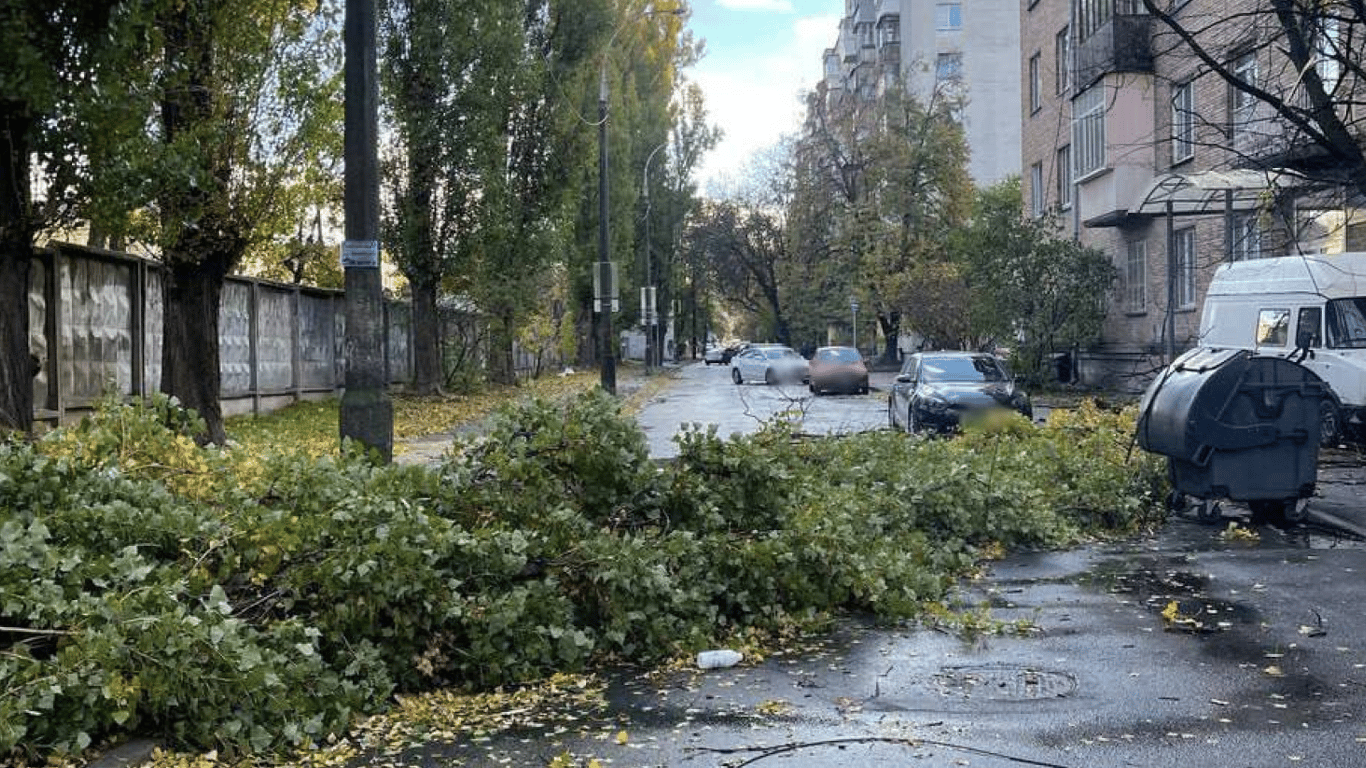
718, 659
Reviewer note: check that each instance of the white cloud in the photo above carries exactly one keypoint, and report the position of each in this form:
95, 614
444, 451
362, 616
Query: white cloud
781, 6
756, 99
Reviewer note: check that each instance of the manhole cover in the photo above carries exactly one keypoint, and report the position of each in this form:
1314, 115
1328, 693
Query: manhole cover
1002, 683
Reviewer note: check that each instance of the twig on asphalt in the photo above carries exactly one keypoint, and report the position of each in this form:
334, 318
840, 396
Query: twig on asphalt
767, 752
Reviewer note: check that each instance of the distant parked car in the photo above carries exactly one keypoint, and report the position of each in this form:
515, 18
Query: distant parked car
935, 390
769, 363
838, 369
715, 355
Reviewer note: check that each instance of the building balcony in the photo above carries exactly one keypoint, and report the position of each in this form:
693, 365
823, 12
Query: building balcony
1122, 44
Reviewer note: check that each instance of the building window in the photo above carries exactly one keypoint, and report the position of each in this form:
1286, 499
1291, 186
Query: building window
1185, 268
1065, 177
865, 35
1088, 130
890, 30
1037, 203
1062, 62
1356, 236
1183, 123
1329, 52
948, 17
1035, 84
1247, 237
1091, 15
948, 67
1136, 277
1242, 104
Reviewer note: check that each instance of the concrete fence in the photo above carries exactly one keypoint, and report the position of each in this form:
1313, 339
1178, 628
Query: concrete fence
95, 321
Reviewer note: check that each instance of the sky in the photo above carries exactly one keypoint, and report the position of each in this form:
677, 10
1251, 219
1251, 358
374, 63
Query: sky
761, 55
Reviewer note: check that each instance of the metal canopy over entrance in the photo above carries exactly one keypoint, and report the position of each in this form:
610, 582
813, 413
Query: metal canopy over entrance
1207, 192
1202, 193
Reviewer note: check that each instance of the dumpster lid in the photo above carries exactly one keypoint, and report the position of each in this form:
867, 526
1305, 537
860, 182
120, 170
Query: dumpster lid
1203, 359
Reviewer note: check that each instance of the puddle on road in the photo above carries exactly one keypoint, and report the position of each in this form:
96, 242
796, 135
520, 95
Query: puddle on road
1164, 586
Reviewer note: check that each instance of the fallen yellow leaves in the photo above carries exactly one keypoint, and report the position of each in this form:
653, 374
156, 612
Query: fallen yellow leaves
1239, 533
1179, 621
442, 716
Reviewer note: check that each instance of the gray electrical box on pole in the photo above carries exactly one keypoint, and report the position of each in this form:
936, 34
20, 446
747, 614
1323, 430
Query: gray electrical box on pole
367, 413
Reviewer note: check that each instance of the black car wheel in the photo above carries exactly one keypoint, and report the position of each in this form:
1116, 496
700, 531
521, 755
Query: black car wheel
912, 424
736, 377
812, 386
769, 378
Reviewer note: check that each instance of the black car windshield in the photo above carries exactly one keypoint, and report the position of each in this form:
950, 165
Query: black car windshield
838, 355
1347, 323
961, 369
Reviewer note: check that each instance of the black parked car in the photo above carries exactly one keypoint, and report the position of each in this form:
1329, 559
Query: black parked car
935, 390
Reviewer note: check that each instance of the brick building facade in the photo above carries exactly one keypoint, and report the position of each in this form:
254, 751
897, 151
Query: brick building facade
1146, 154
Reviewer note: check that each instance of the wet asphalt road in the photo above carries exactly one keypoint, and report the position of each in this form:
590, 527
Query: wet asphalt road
705, 394
1261, 660
1265, 666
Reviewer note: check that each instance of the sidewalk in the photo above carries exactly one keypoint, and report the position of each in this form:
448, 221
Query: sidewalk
635, 387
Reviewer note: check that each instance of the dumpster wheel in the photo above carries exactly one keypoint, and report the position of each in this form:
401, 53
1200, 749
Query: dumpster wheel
1209, 511
1176, 502
1290, 511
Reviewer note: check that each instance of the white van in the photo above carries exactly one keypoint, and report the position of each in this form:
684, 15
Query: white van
1277, 306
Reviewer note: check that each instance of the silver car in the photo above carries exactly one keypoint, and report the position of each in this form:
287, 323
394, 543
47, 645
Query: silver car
769, 364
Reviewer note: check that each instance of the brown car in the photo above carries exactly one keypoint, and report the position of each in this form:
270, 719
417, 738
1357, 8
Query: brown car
838, 369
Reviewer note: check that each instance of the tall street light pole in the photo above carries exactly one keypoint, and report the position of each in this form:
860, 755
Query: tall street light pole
367, 413
606, 275
652, 351
853, 309
608, 288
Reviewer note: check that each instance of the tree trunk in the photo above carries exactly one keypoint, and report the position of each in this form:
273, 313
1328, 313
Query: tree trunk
16, 253
891, 333
427, 373
502, 369
16, 361
190, 371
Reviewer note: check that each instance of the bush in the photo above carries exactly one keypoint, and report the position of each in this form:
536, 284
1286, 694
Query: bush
218, 599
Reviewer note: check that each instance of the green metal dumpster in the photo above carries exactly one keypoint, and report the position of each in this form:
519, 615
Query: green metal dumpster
1236, 426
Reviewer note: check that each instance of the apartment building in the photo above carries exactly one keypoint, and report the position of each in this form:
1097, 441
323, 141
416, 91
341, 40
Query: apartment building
1148, 154
971, 47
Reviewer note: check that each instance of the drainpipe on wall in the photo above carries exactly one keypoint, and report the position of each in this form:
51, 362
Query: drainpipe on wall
1169, 320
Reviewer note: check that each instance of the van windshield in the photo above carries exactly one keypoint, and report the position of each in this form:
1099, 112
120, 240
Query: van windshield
1347, 323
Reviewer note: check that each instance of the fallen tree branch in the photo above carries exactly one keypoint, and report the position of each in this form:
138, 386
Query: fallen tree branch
768, 752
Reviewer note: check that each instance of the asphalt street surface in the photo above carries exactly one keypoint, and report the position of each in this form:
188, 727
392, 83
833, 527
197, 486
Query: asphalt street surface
705, 395
1189, 647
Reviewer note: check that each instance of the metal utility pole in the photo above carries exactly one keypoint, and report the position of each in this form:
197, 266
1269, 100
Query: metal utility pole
649, 317
853, 309
609, 289
367, 413
606, 274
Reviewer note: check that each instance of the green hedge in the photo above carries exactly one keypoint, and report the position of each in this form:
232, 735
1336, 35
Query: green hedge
250, 603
